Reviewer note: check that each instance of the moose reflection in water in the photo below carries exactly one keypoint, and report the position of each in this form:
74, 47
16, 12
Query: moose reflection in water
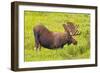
48, 39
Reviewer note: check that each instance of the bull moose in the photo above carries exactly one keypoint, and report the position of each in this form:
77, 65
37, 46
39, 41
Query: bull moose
48, 39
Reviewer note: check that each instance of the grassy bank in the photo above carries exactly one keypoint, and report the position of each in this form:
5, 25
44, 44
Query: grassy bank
53, 21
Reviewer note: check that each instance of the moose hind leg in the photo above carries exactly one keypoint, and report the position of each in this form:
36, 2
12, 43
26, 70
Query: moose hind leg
37, 44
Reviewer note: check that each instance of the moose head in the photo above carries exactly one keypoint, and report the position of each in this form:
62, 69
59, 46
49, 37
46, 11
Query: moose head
70, 33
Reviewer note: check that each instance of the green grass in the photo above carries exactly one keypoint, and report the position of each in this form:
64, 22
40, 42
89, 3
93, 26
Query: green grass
53, 21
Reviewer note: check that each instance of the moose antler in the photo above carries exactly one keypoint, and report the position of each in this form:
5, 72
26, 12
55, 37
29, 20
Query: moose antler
72, 28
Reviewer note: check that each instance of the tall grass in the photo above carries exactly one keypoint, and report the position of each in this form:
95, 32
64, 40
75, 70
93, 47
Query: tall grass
53, 21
